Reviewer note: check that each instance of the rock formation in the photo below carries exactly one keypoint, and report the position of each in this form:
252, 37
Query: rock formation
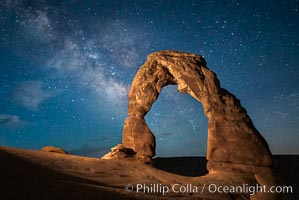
53, 149
232, 137
121, 152
234, 143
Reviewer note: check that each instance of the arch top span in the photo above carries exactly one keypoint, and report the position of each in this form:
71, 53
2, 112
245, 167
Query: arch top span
232, 137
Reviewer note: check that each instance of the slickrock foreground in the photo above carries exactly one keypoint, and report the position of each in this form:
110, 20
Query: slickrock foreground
28, 174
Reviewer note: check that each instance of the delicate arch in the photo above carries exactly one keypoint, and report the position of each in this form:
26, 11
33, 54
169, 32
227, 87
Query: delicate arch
232, 137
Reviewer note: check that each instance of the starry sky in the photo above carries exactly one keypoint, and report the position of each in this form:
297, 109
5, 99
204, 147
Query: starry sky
66, 69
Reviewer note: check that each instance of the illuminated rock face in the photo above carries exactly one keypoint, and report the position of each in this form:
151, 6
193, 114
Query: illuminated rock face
53, 149
232, 137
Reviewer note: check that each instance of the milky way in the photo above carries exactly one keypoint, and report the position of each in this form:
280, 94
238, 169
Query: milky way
66, 69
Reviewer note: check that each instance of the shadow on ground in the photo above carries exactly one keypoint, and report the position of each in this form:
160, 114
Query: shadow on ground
23, 179
286, 165
185, 166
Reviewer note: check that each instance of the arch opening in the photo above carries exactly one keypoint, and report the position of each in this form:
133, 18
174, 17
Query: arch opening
178, 123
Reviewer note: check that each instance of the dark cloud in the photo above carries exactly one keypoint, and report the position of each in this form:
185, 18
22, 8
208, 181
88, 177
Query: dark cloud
8, 119
30, 94
168, 134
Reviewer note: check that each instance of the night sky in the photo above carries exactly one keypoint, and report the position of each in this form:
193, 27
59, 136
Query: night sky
66, 69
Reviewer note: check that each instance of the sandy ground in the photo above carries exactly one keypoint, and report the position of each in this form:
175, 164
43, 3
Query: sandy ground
31, 174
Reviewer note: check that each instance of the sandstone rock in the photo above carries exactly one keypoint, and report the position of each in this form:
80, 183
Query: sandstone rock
120, 152
53, 149
232, 137
138, 136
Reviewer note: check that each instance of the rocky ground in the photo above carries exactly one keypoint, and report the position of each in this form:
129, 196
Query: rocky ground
30, 174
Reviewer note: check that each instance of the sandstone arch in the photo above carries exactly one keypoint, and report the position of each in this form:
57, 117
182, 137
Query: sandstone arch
233, 141
232, 137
